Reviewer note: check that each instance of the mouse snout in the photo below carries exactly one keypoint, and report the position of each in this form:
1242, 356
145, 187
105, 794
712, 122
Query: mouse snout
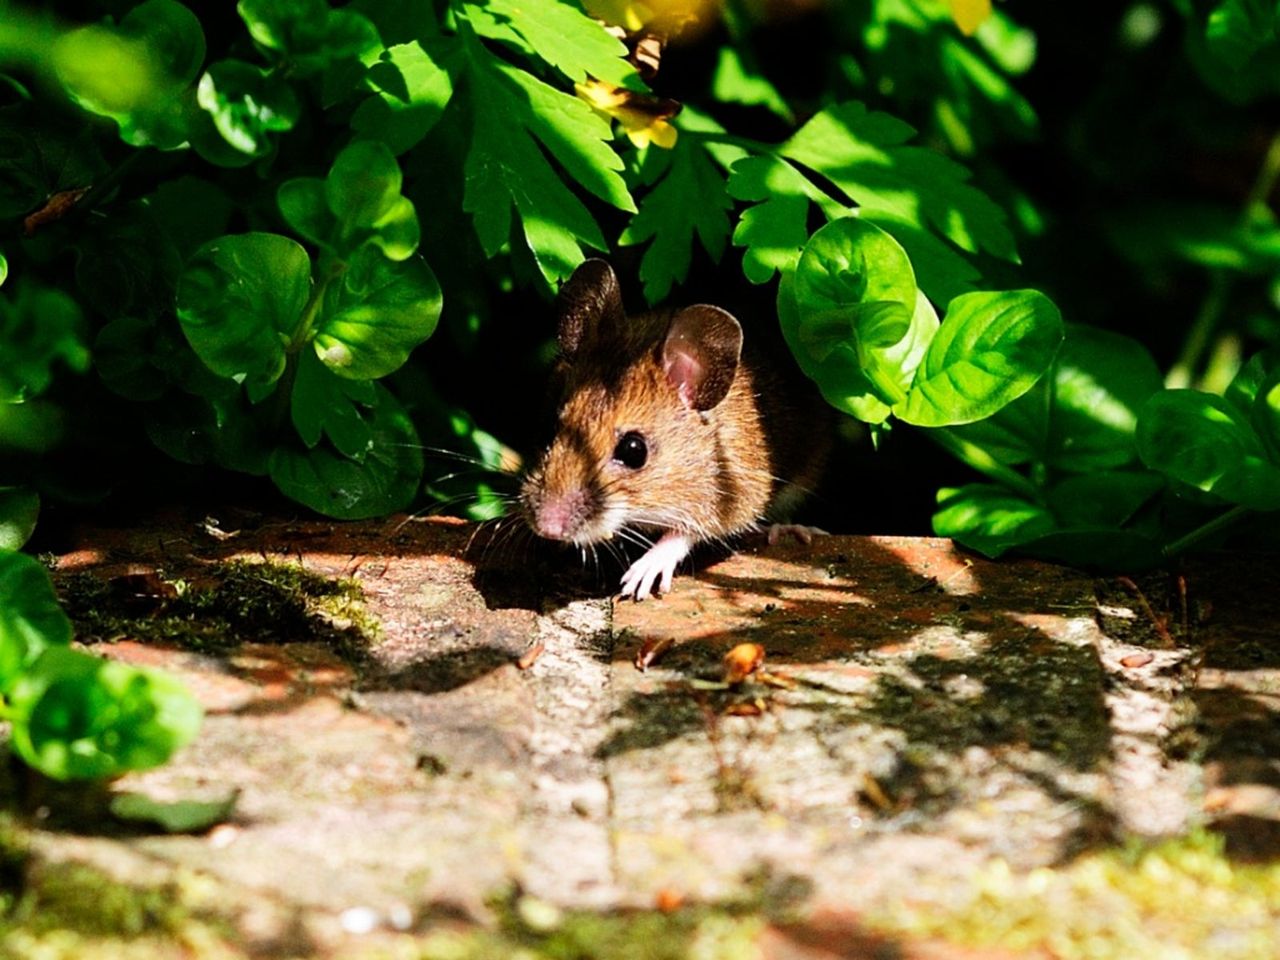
560, 516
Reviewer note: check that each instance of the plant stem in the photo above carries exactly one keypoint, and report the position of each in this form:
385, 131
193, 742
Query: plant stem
1219, 523
1220, 280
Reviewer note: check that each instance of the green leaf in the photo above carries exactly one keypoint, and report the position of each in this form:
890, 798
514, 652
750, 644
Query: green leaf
308, 34
561, 34
1081, 417
412, 85
774, 229
383, 481
1203, 441
173, 816
1107, 498
990, 349
864, 153
42, 154
239, 301
1237, 29
76, 716
323, 403
507, 171
689, 199
19, 509
171, 205
136, 73
39, 329
856, 296
988, 518
30, 618
382, 310
733, 82
125, 263
4, 269
1101, 549
247, 105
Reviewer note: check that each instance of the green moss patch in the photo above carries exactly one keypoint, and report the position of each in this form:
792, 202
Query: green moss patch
231, 603
1177, 898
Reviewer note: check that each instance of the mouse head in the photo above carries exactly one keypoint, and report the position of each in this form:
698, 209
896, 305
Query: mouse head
636, 441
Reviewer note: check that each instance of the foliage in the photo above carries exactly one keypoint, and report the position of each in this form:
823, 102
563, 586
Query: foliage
73, 715
270, 213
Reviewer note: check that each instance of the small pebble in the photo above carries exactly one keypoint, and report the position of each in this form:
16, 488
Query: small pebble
359, 920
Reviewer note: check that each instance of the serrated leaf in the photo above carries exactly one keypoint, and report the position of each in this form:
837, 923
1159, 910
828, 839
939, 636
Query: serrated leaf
385, 480
382, 310
865, 153
688, 199
990, 350
562, 35
240, 300
733, 82
775, 229
506, 171
412, 85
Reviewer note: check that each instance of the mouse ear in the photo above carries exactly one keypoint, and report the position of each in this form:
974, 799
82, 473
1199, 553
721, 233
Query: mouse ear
700, 354
589, 300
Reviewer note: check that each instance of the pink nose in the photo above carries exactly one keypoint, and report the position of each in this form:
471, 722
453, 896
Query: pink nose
559, 517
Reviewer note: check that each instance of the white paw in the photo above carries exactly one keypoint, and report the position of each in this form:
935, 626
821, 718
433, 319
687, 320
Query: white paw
802, 533
652, 573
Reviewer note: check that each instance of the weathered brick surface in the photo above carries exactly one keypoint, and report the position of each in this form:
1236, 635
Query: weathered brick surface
919, 713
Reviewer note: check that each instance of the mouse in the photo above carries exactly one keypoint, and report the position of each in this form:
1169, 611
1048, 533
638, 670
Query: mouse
668, 434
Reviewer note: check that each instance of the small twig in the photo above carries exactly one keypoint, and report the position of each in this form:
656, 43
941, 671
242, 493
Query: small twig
1165, 637
1182, 600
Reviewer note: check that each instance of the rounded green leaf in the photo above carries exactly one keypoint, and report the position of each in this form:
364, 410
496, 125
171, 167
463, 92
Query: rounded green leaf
19, 509
324, 403
991, 349
363, 192
76, 716
989, 519
30, 617
385, 479
303, 205
1080, 417
381, 312
239, 301
1201, 440
411, 91
308, 33
135, 73
41, 329
247, 105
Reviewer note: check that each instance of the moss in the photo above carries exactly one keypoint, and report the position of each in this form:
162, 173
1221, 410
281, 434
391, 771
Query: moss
1177, 898
53, 911
235, 601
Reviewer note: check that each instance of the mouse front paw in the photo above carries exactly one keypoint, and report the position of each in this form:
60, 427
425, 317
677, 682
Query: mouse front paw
652, 573
802, 533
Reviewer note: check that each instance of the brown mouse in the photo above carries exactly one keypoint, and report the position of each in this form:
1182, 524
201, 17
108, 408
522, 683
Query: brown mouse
665, 428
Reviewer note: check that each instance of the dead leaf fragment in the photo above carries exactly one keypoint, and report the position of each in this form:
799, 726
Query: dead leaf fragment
669, 900
742, 661
753, 708
1136, 660
651, 650
531, 655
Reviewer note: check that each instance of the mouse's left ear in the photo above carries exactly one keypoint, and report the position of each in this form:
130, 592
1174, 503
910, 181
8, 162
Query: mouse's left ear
589, 302
700, 354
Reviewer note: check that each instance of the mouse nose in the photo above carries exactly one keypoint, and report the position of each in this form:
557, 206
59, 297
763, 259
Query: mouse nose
559, 517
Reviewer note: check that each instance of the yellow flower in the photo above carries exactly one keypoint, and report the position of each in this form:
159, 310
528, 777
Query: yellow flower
969, 15
620, 13
644, 119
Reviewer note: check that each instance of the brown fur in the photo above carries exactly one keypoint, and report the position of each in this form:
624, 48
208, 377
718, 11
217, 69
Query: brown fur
710, 474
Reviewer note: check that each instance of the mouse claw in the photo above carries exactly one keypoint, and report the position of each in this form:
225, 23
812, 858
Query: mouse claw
802, 533
652, 574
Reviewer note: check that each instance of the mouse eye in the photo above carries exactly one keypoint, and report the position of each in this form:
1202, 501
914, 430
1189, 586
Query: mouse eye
631, 451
